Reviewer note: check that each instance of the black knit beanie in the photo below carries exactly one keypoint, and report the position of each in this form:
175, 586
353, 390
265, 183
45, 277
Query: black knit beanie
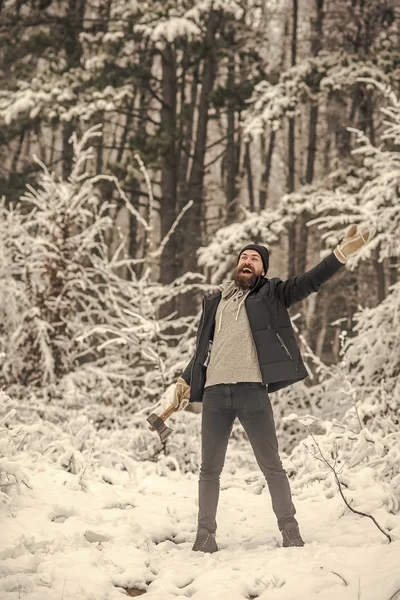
262, 251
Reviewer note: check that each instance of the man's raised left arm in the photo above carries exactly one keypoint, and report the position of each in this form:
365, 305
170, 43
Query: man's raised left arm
298, 287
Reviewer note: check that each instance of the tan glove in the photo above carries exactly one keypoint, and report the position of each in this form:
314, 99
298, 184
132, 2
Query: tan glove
355, 238
182, 394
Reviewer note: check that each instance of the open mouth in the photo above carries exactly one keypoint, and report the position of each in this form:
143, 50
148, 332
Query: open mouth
246, 270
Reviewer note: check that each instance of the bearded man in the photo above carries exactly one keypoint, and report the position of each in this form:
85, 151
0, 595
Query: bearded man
245, 350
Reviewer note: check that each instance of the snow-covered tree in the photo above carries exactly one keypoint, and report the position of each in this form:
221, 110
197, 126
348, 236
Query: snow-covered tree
71, 309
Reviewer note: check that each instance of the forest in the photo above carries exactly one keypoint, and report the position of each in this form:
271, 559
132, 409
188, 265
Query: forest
143, 143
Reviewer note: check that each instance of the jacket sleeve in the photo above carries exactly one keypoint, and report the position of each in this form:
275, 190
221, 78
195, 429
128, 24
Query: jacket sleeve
298, 287
186, 375
188, 370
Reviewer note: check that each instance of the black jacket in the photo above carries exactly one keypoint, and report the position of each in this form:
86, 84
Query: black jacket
279, 357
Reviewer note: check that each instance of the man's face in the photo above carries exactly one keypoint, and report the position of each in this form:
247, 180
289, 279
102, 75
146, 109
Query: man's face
249, 267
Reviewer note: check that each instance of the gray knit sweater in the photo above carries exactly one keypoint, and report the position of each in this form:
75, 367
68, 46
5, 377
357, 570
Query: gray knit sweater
233, 355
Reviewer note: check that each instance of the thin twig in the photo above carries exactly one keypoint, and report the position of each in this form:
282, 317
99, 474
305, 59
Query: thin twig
340, 577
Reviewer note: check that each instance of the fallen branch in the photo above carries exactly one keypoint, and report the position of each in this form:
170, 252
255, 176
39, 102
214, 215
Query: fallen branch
340, 577
339, 484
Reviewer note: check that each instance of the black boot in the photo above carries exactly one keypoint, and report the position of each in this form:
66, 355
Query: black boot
291, 535
205, 541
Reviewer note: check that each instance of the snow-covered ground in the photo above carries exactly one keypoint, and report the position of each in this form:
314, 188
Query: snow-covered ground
60, 541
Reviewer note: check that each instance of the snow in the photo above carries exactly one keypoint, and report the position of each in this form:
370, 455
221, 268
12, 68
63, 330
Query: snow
173, 28
60, 541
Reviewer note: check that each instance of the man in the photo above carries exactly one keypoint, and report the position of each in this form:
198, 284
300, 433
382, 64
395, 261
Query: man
245, 349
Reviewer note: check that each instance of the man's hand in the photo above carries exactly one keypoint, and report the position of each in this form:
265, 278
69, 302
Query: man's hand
352, 241
182, 394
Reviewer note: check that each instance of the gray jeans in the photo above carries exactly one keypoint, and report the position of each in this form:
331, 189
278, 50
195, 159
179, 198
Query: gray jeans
250, 403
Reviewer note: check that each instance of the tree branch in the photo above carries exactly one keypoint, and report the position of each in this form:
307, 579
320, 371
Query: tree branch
339, 484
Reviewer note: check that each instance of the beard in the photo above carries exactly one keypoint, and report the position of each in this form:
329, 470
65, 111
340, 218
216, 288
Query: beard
245, 281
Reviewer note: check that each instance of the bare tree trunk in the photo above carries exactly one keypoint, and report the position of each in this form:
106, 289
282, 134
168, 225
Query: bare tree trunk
267, 172
380, 275
187, 122
304, 216
127, 127
191, 223
312, 142
393, 270
291, 151
99, 150
312, 139
53, 146
14, 164
231, 152
248, 169
186, 138
133, 226
320, 335
169, 174
67, 153
136, 234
